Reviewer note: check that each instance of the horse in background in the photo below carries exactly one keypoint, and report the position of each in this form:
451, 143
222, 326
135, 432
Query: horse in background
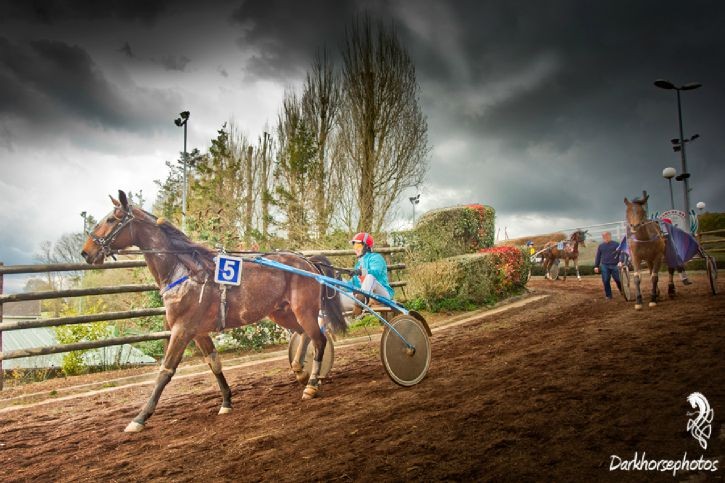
646, 243
196, 306
564, 250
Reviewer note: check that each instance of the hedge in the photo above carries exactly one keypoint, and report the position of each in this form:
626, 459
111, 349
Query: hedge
453, 231
465, 281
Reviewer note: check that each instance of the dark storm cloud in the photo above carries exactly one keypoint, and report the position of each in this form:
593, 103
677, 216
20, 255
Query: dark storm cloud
563, 89
48, 84
174, 62
285, 35
39, 76
126, 49
52, 11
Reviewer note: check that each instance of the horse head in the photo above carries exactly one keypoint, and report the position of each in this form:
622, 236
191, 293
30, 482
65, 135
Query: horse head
110, 233
636, 210
579, 236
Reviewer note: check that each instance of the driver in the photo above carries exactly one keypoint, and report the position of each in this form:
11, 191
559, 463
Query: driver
369, 274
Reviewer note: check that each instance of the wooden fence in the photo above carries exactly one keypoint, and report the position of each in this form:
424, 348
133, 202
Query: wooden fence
712, 241
106, 316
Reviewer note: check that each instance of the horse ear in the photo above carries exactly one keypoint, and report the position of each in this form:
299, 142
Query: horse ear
626, 201
122, 198
645, 196
114, 201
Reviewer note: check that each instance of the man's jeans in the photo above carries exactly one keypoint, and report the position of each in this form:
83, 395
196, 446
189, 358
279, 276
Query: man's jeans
608, 272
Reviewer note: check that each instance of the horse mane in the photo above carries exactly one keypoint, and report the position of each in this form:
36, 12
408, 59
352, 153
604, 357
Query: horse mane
192, 254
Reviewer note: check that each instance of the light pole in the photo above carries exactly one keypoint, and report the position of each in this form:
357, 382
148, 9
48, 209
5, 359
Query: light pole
664, 84
668, 174
182, 121
414, 200
84, 215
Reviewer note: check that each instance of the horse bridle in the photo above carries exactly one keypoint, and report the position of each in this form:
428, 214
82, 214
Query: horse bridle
632, 229
104, 242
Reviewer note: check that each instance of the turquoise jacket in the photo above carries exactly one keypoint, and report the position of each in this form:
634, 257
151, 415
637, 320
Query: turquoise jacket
373, 264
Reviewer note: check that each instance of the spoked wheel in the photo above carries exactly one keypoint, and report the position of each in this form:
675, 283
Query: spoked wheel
624, 280
327, 358
554, 270
712, 273
406, 366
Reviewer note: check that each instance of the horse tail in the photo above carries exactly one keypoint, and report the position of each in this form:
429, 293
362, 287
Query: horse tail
330, 301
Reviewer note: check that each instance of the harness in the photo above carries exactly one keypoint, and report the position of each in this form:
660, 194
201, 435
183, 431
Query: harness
104, 242
633, 228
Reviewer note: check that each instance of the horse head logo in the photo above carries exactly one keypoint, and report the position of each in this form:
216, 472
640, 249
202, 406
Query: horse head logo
700, 427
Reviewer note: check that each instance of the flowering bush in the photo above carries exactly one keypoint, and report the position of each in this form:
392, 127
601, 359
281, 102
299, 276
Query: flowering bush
512, 267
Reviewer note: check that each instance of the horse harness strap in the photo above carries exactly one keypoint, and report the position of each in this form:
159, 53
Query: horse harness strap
173, 284
222, 320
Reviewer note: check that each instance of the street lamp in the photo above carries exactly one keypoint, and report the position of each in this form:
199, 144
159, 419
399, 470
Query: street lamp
182, 121
414, 200
664, 84
668, 174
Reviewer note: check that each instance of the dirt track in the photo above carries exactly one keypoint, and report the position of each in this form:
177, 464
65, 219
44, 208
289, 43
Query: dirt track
544, 392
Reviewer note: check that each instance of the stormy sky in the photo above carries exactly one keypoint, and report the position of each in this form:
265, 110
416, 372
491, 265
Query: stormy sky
544, 110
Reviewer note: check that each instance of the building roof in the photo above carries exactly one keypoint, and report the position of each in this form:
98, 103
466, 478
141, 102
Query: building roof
26, 308
45, 336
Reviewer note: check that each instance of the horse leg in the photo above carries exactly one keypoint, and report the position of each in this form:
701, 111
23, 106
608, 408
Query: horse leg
566, 267
638, 292
180, 338
306, 315
654, 276
576, 267
671, 284
298, 362
211, 357
285, 318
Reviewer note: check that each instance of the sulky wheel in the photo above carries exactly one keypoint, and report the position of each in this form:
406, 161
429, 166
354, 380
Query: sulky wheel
309, 356
624, 280
712, 273
404, 365
554, 270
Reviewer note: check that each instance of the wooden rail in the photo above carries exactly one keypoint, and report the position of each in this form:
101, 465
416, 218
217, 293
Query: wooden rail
59, 321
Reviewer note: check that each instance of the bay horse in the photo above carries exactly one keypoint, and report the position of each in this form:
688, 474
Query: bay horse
570, 251
184, 272
646, 243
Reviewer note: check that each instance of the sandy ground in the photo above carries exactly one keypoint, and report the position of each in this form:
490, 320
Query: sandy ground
544, 392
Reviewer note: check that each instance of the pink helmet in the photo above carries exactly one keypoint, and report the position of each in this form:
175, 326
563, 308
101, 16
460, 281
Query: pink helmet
364, 238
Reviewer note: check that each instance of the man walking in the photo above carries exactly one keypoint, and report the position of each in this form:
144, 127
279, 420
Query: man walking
607, 258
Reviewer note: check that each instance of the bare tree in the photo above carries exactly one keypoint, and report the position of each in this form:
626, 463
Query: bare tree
321, 104
294, 169
383, 132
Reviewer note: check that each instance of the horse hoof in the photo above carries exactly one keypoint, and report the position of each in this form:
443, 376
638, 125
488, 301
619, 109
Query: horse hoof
302, 377
653, 304
133, 427
638, 307
224, 410
309, 392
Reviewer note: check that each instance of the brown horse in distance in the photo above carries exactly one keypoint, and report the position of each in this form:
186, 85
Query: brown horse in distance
646, 243
569, 252
184, 272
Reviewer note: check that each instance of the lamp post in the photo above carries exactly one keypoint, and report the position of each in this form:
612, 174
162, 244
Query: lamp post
668, 174
664, 84
414, 200
182, 121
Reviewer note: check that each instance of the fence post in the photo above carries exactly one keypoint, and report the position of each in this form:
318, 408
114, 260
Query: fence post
2, 372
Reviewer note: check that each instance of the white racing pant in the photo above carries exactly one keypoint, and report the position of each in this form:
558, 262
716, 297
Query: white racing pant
370, 284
